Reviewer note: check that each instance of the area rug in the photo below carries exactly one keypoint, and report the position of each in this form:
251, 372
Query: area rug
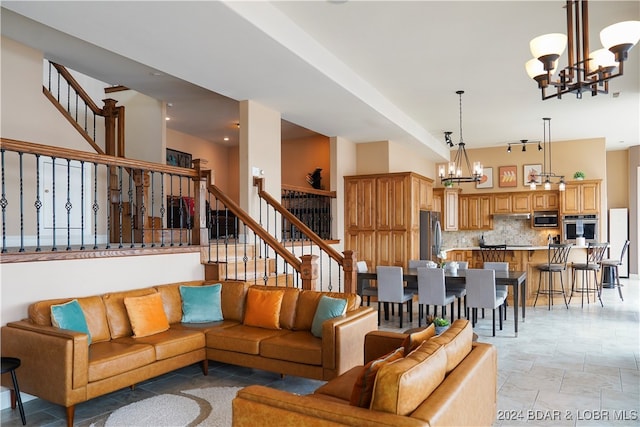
198, 407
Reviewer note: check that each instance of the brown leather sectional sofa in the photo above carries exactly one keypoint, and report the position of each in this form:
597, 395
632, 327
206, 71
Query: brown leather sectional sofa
453, 384
58, 365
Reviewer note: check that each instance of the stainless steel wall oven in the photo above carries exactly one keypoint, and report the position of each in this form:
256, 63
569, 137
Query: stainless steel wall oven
580, 226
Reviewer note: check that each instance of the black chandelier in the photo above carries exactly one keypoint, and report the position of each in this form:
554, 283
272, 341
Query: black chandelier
545, 176
586, 71
454, 169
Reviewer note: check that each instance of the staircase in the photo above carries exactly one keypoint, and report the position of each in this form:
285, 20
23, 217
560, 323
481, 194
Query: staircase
240, 263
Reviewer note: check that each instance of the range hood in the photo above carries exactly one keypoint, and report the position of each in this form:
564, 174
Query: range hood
512, 215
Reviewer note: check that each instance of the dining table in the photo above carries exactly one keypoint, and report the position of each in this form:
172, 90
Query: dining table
517, 280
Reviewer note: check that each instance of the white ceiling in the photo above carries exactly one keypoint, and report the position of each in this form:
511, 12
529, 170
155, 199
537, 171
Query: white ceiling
363, 70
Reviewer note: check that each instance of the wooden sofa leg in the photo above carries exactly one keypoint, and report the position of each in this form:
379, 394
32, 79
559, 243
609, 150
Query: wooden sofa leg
70, 414
205, 367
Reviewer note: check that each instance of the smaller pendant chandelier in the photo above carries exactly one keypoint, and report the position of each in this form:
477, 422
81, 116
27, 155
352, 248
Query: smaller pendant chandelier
454, 169
546, 176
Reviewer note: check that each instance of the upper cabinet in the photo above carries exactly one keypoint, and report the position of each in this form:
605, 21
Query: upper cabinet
512, 202
545, 201
581, 197
475, 212
450, 209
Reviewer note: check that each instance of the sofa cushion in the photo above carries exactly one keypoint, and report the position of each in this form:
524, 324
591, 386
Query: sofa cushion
201, 304
70, 316
362, 390
328, 308
172, 301
240, 338
457, 341
341, 387
233, 299
294, 346
306, 310
109, 358
414, 339
117, 316
263, 308
401, 386
170, 343
92, 307
146, 315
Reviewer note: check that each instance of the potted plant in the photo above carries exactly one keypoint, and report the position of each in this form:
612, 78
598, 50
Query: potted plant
440, 323
579, 175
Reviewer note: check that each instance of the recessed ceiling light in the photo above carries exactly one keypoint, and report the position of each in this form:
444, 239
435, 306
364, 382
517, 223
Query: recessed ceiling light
167, 118
226, 138
169, 104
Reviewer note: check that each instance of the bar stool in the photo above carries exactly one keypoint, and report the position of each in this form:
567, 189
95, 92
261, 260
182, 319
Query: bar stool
595, 253
10, 364
557, 257
614, 263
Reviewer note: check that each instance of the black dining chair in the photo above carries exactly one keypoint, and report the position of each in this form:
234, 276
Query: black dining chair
493, 253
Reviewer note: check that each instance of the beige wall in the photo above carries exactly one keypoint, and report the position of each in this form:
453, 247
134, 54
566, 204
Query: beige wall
405, 159
618, 179
27, 114
303, 156
567, 157
372, 157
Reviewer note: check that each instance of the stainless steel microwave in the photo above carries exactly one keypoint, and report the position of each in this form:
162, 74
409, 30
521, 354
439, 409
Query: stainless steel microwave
545, 219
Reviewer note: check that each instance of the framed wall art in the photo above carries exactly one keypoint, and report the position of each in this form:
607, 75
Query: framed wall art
532, 173
178, 158
508, 176
486, 180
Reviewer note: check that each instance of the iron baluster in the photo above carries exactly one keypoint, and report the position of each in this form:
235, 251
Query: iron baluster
82, 205
53, 201
20, 154
153, 222
162, 207
109, 206
143, 209
95, 206
131, 209
38, 203
171, 210
120, 208
68, 205
3, 204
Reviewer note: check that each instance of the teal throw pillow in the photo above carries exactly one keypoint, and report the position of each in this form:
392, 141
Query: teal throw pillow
201, 304
328, 308
70, 316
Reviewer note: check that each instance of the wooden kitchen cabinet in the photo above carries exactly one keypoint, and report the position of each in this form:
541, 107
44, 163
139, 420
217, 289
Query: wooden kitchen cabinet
546, 201
512, 202
475, 212
521, 202
382, 216
581, 198
450, 209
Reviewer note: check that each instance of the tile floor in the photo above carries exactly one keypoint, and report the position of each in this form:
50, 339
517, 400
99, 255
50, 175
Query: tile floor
572, 367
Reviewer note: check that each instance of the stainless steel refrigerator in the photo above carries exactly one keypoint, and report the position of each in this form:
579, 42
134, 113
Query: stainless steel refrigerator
430, 235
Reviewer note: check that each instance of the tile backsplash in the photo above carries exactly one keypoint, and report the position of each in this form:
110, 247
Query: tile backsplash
505, 230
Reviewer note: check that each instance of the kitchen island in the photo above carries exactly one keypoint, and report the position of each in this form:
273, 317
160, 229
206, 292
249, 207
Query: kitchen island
524, 258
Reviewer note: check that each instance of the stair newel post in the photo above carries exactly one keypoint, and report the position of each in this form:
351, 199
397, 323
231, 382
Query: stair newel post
350, 272
199, 229
142, 182
309, 272
110, 113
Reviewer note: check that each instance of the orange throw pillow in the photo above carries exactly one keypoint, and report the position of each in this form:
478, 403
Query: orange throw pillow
146, 315
263, 308
413, 341
363, 388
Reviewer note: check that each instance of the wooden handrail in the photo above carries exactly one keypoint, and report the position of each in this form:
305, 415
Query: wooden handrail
257, 228
331, 194
52, 151
71, 120
259, 182
76, 86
